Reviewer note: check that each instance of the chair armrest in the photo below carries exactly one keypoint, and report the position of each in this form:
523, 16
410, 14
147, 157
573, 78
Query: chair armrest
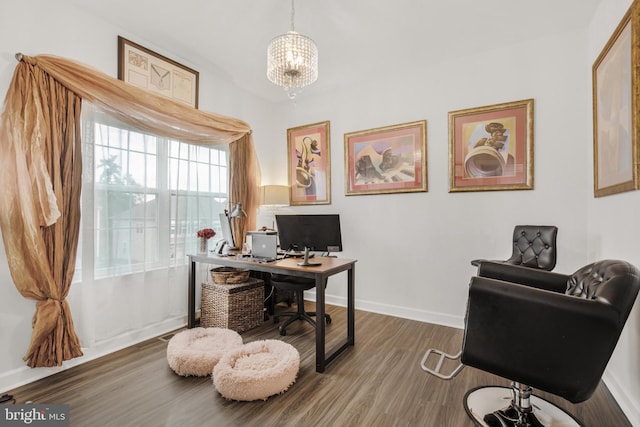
538, 337
540, 279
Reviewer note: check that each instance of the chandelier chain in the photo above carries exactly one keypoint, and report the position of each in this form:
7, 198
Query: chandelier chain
293, 14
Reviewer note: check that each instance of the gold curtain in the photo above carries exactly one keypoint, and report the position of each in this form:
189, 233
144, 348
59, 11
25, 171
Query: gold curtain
243, 186
40, 212
40, 173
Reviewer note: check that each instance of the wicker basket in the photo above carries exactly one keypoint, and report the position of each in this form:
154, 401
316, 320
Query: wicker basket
238, 307
229, 275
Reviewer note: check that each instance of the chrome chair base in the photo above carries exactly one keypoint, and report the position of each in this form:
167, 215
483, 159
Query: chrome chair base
492, 406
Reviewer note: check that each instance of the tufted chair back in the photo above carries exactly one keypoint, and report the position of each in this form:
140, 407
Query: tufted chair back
534, 246
606, 281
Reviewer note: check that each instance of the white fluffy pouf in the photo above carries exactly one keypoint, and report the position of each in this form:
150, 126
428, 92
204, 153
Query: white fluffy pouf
196, 351
257, 370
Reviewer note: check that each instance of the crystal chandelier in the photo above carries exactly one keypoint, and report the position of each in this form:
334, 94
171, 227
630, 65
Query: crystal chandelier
292, 60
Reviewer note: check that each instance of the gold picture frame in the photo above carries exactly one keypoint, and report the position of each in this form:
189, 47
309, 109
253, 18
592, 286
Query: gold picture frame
309, 164
491, 147
390, 159
143, 68
616, 100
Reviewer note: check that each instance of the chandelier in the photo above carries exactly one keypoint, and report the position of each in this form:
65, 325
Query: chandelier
292, 60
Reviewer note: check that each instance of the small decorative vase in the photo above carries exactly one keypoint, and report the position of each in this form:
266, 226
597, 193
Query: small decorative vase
204, 246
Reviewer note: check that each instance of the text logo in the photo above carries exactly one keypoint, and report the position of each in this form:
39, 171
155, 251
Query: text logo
34, 415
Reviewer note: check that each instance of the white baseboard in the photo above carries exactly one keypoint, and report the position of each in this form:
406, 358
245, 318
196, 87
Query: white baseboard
395, 311
629, 406
25, 375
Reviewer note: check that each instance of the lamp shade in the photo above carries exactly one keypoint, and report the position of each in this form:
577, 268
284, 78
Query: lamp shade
237, 211
274, 195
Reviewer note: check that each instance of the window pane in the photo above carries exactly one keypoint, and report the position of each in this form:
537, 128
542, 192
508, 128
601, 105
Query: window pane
203, 177
214, 172
174, 149
136, 177
178, 175
151, 146
136, 141
151, 169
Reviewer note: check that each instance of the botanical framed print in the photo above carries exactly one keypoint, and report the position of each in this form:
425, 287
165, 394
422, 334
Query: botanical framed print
491, 147
309, 164
390, 159
141, 67
616, 156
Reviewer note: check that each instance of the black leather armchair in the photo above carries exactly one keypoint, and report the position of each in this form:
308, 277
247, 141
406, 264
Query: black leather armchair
533, 246
543, 330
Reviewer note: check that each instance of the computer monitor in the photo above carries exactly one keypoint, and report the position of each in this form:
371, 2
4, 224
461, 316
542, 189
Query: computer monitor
317, 232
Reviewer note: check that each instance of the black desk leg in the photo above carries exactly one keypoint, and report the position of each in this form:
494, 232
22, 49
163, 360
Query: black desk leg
351, 306
191, 304
320, 323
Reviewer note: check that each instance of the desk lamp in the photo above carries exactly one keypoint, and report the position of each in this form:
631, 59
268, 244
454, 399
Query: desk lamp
238, 213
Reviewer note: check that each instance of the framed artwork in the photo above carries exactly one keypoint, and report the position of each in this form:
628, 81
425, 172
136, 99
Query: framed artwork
491, 147
616, 95
391, 159
309, 164
141, 67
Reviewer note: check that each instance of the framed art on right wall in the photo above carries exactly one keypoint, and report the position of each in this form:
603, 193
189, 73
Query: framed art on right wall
616, 132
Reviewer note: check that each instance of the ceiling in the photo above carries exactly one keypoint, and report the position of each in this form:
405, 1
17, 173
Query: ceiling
354, 37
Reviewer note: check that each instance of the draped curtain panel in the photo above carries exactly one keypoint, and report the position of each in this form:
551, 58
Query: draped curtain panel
41, 169
243, 185
40, 213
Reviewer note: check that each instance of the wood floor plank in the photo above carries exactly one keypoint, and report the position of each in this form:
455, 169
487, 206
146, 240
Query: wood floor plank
376, 383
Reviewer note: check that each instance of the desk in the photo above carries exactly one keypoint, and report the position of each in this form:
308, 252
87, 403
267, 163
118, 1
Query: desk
329, 266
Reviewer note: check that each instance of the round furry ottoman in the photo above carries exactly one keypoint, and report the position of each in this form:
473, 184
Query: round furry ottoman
257, 370
196, 351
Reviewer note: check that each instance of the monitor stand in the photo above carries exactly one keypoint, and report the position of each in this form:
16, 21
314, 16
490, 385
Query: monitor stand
305, 262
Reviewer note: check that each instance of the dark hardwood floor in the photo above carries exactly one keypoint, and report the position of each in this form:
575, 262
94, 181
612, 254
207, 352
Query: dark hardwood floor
376, 383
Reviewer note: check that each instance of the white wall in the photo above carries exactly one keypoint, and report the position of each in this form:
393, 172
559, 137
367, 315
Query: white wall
612, 232
413, 250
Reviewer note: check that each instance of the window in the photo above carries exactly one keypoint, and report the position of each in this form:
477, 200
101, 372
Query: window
199, 192
148, 195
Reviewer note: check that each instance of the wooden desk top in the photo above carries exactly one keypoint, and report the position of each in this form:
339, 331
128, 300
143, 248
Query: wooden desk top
327, 267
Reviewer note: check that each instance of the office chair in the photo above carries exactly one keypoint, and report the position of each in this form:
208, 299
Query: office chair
543, 330
297, 285
534, 246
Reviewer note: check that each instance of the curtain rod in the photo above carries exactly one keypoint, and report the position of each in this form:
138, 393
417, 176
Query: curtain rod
19, 56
